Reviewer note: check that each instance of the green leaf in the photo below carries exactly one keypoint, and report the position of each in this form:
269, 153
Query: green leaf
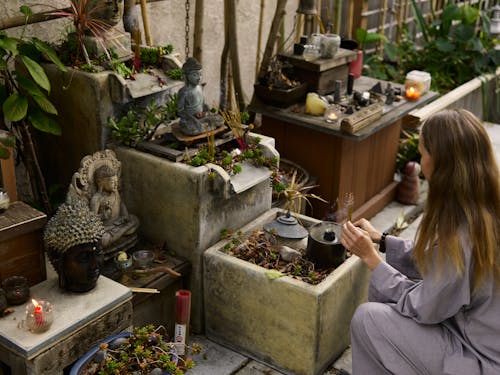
9, 44
26, 10
37, 73
274, 274
4, 153
15, 107
469, 14
45, 104
28, 85
444, 46
44, 123
51, 54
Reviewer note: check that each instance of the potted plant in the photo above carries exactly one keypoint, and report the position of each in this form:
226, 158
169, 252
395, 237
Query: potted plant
24, 89
275, 87
145, 351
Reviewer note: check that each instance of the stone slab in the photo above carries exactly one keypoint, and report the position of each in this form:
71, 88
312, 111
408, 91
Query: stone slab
215, 359
70, 310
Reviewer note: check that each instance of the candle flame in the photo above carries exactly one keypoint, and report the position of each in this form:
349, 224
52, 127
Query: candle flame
34, 302
411, 91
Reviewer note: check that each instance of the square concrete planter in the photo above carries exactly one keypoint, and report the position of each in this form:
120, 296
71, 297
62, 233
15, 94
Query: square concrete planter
187, 209
296, 327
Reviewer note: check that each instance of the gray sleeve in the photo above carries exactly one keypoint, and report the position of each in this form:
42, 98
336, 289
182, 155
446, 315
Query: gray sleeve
439, 296
399, 256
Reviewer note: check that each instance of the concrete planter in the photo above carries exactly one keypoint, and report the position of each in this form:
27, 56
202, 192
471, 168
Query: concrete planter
296, 327
186, 208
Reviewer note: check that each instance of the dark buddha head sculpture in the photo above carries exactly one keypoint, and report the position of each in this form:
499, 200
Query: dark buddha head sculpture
71, 240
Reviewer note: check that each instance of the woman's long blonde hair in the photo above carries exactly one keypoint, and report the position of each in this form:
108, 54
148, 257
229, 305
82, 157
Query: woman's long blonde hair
464, 189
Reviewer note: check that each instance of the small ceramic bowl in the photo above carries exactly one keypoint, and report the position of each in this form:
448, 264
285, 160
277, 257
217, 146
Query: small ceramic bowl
124, 264
143, 258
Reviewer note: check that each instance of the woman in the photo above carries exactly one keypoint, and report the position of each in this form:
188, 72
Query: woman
435, 305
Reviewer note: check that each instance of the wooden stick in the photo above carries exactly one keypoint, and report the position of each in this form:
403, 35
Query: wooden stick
144, 290
198, 31
145, 21
259, 37
158, 269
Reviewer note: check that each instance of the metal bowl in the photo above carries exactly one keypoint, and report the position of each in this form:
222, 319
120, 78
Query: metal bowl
143, 258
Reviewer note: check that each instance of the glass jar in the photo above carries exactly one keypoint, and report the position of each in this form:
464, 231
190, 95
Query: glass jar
38, 316
16, 289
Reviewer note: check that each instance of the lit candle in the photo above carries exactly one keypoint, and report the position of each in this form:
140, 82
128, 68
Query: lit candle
412, 93
38, 313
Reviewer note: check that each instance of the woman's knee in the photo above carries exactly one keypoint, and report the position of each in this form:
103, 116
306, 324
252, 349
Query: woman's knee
368, 316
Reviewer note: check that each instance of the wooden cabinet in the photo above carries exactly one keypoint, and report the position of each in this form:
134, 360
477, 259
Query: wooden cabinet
21, 243
363, 163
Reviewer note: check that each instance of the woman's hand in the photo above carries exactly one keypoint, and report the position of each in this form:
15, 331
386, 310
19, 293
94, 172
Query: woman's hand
358, 242
370, 229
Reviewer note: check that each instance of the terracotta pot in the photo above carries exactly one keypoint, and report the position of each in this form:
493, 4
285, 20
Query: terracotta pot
356, 66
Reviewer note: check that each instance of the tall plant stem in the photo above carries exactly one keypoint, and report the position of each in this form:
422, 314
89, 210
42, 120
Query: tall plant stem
33, 166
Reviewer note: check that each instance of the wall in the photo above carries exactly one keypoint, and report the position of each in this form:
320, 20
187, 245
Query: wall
167, 24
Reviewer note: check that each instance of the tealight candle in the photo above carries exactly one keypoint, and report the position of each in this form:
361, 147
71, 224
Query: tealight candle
331, 114
412, 93
38, 316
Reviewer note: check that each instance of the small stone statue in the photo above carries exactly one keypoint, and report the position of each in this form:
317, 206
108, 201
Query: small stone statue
97, 184
71, 241
109, 11
195, 116
409, 188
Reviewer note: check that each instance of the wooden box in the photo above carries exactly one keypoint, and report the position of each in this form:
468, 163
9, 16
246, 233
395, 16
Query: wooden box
21, 243
321, 74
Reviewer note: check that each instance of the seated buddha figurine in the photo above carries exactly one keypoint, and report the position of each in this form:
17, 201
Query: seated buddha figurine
71, 240
195, 116
97, 183
107, 204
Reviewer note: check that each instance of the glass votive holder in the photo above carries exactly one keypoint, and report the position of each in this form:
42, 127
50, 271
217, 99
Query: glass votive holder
38, 316
16, 289
332, 113
4, 200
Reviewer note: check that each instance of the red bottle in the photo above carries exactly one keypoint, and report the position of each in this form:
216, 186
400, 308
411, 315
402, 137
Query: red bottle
182, 316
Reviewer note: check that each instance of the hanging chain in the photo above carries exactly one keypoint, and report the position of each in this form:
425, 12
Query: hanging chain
186, 28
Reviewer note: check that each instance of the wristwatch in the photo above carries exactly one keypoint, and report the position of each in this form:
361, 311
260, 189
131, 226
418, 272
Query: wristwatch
381, 247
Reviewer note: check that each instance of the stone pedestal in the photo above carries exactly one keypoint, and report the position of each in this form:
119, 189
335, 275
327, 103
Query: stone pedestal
187, 208
296, 327
81, 320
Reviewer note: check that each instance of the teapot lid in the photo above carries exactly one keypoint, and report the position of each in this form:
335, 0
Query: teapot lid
286, 226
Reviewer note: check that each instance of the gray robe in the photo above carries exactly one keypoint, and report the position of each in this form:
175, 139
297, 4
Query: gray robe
429, 326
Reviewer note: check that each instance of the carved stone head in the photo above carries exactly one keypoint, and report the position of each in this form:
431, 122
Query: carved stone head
70, 239
109, 11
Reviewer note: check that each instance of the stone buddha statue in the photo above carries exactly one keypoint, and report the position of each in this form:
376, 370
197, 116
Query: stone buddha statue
110, 14
109, 11
71, 240
97, 184
195, 116
107, 204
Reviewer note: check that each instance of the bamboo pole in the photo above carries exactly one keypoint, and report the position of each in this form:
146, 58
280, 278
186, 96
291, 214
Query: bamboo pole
338, 16
400, 21
350, 16
382, 27
273, 33
259, 37
299, 27
7, 23
233, 50
224, 64
198, 30
145, 21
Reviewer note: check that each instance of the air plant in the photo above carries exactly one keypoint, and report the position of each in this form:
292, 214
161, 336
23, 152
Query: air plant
294, 195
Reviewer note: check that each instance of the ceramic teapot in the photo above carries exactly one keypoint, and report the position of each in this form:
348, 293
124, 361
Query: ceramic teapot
323, 245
